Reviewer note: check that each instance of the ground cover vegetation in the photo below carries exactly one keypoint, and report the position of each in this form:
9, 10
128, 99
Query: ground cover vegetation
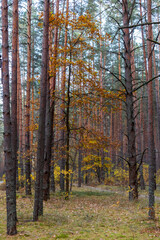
80, 93
84, 216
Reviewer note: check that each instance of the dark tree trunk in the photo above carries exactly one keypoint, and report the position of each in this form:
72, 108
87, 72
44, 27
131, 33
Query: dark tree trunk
151, 147
142, 183
156, 90
80, 168
73, 170
137, 122
63, 162
120, 114
50, 105
19, 101
133, 186
145, 133
14, 132
48, 145
27, 112
10, 165
68, 133
38, 200
53, 188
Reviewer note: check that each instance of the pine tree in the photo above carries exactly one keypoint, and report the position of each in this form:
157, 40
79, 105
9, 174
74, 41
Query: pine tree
10, 166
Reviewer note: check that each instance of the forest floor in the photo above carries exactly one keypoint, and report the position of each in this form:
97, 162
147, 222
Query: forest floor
99, 213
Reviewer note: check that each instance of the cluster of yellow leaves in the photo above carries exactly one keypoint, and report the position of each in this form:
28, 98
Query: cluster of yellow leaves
94, 162
121, 175
57, 172
57, 20
95, 140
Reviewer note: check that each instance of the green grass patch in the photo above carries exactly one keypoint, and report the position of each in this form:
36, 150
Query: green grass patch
90, 193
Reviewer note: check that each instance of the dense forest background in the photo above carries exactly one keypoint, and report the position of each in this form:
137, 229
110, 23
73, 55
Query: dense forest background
83, 81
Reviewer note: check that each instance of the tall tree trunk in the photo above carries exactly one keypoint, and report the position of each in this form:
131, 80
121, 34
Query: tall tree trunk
158, 163
145, 134
120, 114
156, 90
101, 152
133, 186
10, 166
18, 116
19, 101
62, 164
137, 121
68, 132
27, 112
38, 200
80, 123
14, 132
50, 105
151, 147
142, 183
32, 106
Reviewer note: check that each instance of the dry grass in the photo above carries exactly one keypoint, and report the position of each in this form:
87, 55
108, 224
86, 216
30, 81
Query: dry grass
87, 215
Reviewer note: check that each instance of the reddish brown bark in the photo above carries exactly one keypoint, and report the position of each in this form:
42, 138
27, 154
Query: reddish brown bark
145, 133
151, 146
14, 132
32, 101
27, 108
157, 130
20, 130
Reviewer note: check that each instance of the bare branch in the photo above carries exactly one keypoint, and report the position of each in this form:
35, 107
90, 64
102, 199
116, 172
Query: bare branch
137, 25
123, 159
153, 41
115, 77
134, 90
141, 160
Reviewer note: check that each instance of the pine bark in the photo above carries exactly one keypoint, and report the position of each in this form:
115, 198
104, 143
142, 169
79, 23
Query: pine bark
145, 134
10, 166
19, 101
133, 186
27, 109
62, 164
68, 133
50, 106
156, 90
120, 114
151, 146
14, 130
38, 200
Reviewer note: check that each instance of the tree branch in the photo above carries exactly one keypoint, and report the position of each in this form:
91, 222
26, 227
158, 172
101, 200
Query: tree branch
116, 78
153, 41
141, 160
137, 25
134, 90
